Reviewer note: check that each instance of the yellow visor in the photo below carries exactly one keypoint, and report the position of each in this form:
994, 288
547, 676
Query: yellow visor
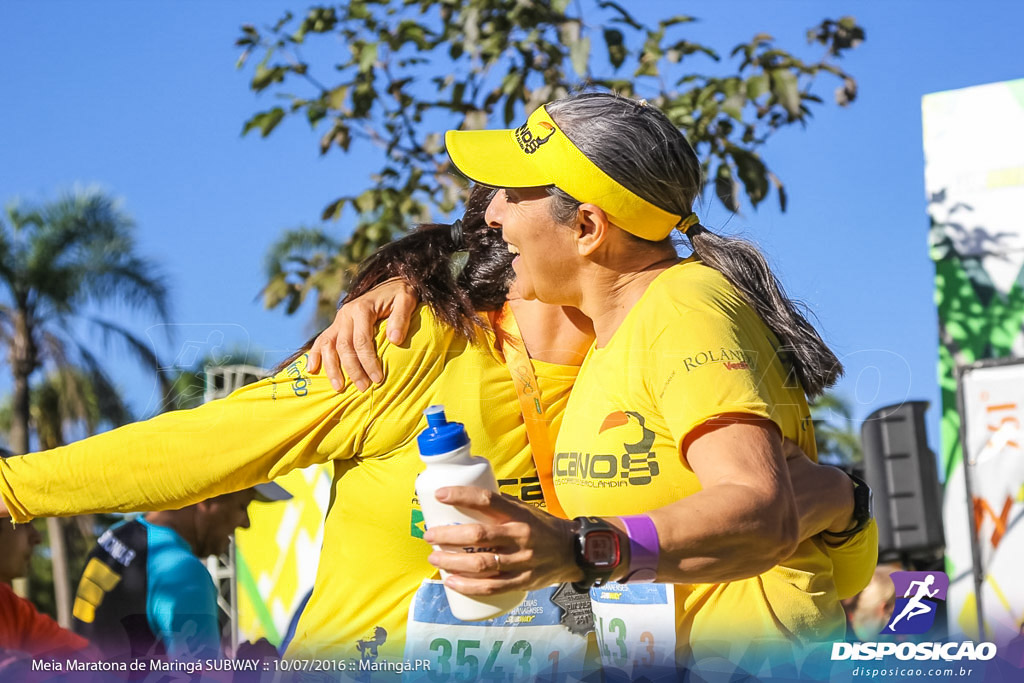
538, 154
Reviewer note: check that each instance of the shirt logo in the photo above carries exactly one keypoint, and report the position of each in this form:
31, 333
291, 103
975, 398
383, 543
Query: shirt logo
733, 359
528, 142
300, 383
915, 610
638, 464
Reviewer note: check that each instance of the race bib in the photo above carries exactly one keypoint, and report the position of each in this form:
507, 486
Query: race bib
527, 643
636, 628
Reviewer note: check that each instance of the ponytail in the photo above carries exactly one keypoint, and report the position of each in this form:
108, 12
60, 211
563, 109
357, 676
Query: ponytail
745, 267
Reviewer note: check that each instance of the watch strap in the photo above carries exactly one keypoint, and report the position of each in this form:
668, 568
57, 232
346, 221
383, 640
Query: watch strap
644, 549
862, 510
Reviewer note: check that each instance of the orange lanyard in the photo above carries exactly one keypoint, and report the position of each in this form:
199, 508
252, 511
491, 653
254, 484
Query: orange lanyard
531, 404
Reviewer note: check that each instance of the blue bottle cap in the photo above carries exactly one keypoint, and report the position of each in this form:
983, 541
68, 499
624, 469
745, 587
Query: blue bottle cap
440, 436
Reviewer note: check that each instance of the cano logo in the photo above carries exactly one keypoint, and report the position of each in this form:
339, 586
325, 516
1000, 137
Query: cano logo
917, 596
529, 142
637, 465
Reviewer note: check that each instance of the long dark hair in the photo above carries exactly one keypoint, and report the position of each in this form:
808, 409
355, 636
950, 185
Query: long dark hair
457, 271
638, 146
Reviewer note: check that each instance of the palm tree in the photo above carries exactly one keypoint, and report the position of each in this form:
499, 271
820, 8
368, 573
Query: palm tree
67, 399
306, 261
60, 262
835, 433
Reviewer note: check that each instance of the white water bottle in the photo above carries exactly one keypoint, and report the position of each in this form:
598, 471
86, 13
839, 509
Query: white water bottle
444, 448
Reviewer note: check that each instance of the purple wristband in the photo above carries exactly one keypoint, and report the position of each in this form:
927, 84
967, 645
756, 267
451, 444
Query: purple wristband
643, 549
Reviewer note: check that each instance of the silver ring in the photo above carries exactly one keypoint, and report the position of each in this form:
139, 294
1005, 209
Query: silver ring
497, 563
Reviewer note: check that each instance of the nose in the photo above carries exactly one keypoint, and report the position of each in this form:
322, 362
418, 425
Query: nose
245, 519
495, 210
34, 537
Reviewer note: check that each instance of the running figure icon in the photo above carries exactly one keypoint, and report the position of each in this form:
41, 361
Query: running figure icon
915, 607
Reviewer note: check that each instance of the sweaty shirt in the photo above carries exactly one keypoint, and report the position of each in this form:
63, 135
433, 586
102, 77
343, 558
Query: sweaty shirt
689, 350
144, 594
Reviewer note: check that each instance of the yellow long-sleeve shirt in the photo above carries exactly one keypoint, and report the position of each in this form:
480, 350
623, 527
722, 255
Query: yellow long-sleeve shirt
371, 562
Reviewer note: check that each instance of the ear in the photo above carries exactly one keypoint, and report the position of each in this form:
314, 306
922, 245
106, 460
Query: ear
592, 224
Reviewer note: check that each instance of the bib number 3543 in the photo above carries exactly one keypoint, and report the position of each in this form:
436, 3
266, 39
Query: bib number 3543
527, 643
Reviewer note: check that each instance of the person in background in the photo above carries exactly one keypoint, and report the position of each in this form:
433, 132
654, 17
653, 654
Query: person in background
23, 629
145, 591
868, 612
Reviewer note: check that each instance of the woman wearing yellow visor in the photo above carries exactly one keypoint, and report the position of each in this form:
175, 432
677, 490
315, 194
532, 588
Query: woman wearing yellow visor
671, 452
370, 579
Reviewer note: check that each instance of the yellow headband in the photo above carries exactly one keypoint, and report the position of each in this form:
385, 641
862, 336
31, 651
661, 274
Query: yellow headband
538, 154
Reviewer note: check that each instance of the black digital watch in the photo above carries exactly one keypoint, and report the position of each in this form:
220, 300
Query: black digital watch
597, 551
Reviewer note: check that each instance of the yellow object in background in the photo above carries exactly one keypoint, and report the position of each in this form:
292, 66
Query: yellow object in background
277, 556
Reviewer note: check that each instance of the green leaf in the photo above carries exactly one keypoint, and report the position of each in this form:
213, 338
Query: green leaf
580, 55
783, 199
726, 187
679, 19
648, 67
338, 135
367, 56
264, 76
366, 202
757, 85
264, 121
733, 106
336, 97
753, 173
787, 92
614, 39
315, 111
332, 211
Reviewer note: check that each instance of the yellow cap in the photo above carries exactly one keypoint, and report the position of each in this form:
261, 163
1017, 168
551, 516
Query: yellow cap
537, 154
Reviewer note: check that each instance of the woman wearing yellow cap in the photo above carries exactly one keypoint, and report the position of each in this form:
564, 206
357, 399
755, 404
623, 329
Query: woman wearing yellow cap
671, 451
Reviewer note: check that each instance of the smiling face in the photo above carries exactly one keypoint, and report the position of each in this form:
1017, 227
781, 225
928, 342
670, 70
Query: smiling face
547, 258
16, 545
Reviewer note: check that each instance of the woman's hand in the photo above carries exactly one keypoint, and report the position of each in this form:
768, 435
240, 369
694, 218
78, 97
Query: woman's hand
347, 346
527, 548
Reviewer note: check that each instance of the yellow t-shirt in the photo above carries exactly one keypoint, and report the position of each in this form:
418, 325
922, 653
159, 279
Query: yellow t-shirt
372, 561
691, 349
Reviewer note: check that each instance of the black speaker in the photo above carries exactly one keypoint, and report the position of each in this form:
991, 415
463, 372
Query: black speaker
901, 471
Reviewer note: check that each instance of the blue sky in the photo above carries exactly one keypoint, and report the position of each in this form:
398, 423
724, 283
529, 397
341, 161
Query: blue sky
143, 100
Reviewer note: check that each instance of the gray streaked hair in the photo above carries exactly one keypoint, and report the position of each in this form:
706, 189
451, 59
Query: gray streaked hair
638, 146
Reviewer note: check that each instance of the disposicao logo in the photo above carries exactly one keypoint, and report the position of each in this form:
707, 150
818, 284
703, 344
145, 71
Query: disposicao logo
915, 610
917, 599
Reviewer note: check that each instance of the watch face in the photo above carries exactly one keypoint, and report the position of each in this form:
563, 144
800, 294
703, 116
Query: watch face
601, 549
